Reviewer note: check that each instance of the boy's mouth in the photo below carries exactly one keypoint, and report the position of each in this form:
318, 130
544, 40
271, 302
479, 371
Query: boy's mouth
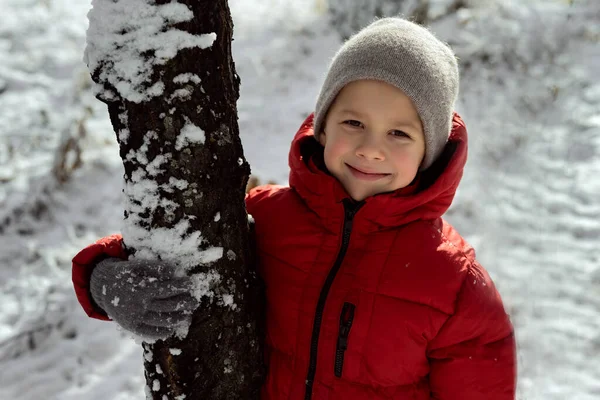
369, 176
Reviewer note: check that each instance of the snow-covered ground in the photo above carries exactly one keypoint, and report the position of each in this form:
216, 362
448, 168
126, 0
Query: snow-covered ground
529, 201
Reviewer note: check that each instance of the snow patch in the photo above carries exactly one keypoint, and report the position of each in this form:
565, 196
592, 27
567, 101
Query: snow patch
231, 256
228, 300
153, 168
123, 133
148, 355
188, 77
142, 196
178, 183
190, 134
182, 94
177, 244
228, 367
182, 329
126, 39
203, 283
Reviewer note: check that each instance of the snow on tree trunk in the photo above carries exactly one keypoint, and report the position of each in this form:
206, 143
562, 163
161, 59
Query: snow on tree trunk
165, 70
349, 16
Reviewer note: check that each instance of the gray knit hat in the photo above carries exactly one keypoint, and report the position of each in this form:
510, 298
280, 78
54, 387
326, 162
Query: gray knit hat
409, 57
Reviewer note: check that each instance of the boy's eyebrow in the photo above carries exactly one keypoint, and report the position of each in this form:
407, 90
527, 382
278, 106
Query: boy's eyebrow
411, 124
349, 111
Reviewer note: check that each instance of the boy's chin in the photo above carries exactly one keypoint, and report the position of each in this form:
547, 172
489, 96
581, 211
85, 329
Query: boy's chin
360, 195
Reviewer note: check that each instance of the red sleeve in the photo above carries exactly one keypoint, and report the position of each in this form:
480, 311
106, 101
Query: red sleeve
83, 265
474, 354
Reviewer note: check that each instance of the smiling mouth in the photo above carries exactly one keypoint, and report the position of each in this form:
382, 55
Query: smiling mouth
365, 175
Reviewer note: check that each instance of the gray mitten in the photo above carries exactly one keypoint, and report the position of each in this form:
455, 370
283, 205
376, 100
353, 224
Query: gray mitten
144, 297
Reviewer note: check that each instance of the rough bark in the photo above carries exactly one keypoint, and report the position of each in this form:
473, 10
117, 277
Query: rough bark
221, 358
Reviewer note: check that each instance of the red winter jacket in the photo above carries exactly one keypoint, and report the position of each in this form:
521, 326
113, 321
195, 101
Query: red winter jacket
380, 299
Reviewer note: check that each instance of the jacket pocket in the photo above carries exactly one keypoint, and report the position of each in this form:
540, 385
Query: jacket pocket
346, 318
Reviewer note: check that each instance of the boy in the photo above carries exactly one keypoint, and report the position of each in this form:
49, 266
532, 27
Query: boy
370, 293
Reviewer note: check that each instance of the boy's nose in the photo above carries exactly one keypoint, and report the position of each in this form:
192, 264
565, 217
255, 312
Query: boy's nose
370, 148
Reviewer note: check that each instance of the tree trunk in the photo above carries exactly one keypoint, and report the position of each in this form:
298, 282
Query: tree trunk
166, 72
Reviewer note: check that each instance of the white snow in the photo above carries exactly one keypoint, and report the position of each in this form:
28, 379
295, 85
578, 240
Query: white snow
142, 193
228, 300
148, 355
228, 369
182, 330
190, 134
123, 133
182, 94
231, 255
122, 32
185, 78
171, 244
203, 284
153, 168
175, 352
528, 201
178, 183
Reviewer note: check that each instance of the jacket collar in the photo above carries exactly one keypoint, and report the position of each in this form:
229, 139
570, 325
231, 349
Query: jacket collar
428, 198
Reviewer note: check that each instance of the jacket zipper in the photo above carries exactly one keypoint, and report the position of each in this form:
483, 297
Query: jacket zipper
350, 209
346, 319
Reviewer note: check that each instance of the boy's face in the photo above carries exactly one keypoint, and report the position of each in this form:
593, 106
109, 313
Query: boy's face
373, 139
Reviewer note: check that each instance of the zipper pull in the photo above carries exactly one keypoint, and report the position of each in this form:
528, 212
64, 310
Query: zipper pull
346, 319
342, 343
344, 332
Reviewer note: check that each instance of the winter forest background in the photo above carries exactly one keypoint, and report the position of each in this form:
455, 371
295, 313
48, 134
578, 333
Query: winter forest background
529, 201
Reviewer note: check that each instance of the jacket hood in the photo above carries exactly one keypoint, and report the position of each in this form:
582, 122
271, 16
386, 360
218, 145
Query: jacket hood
427, 199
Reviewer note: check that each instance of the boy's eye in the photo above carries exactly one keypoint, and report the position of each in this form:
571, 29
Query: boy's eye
400, 134
353, 122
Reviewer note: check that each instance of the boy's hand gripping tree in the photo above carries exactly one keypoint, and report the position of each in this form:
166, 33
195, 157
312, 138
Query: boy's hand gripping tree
164, 68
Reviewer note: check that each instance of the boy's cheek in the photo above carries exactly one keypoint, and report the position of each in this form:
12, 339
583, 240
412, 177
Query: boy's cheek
338, 147
331, 155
